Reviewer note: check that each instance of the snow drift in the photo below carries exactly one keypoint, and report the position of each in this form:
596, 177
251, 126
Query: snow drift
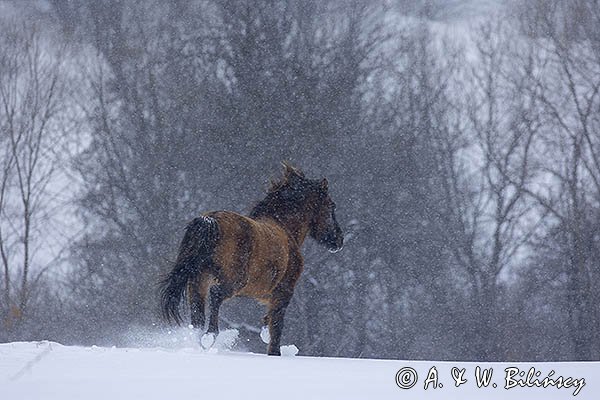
48, 370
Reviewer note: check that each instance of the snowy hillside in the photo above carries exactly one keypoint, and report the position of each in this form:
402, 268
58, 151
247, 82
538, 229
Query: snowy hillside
47, 370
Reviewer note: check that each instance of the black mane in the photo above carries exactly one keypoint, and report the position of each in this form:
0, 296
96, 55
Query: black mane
282, 200
287, 196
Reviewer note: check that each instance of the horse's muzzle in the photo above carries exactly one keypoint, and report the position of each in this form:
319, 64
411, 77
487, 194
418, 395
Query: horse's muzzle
336, 249
335, 242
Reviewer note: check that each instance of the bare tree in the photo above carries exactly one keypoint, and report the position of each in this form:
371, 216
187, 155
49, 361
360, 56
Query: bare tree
569, 92
483, 153
503, 123
30, 101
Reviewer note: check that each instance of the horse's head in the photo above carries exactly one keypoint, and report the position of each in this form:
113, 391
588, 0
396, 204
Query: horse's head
318, 207
324, 227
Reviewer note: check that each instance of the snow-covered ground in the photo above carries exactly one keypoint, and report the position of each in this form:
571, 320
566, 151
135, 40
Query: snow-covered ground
47, 370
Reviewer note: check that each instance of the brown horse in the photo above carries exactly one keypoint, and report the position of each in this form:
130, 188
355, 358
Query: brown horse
224, 254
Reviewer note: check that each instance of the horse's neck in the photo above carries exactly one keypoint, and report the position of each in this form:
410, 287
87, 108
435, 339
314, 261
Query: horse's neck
297, 227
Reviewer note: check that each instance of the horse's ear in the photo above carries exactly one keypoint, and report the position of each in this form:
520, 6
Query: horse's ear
291, 171
324, 185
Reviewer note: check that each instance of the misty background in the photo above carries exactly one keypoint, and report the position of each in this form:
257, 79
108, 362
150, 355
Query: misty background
461, 140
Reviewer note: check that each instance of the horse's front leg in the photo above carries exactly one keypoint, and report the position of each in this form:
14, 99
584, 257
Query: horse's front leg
274, 319
280, 298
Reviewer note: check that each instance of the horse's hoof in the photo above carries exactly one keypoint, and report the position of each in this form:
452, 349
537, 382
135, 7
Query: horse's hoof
207, 340
274, 352
265, 335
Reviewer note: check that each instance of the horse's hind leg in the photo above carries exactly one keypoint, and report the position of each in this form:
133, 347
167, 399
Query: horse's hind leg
197, 310
218, 293
197, 291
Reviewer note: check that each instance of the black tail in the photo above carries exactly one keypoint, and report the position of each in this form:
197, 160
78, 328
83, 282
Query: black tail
195, 254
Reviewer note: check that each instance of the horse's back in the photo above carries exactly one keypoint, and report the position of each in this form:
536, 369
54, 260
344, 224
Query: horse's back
252, 255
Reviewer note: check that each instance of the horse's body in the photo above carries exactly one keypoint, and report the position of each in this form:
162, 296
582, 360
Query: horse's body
224, 254
259, 259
